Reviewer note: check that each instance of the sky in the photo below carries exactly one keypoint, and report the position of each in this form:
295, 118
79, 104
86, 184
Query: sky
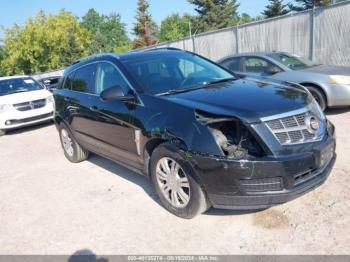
17, 11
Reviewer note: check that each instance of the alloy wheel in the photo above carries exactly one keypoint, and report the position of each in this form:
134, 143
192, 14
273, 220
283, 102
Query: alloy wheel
67, 142
173, 182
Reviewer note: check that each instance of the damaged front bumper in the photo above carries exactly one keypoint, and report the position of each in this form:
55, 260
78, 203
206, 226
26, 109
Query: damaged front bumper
264, 182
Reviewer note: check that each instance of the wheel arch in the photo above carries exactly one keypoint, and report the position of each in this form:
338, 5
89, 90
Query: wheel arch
317, 86
153, 143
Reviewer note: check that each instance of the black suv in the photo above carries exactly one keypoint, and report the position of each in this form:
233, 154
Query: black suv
203, 136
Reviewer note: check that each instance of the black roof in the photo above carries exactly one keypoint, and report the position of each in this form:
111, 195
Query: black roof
123, 57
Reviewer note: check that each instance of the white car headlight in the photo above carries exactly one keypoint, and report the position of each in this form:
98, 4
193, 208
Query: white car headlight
49, 99
338, 79
4, 108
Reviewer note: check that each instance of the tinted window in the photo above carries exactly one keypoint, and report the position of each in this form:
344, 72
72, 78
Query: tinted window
257, 65
108, 76
68, 81
84, 79
232, 64
174, 71
18, 85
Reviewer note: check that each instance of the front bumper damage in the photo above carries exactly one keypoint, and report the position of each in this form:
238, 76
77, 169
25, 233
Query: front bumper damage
263, 182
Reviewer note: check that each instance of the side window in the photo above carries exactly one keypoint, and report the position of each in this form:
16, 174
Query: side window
232, 64
256, 65
67, 84
84, 79
108, 76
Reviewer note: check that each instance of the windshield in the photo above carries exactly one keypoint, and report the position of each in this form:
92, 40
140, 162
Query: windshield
175, 72
18, 85
294, 62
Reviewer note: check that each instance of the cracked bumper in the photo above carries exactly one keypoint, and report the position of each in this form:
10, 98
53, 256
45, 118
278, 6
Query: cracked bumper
298, 174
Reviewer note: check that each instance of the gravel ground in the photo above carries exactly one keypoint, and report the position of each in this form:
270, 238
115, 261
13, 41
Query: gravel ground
50, 206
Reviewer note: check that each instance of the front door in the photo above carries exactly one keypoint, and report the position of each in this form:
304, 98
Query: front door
115, 134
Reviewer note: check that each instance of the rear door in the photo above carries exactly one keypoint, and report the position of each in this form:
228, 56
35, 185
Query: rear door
81, 101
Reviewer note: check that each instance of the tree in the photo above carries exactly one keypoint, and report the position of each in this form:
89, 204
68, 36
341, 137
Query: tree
145, 28
301, 5
108, 32
44, 43
244, 18
174, 27
2, 57
275, 8
215, 14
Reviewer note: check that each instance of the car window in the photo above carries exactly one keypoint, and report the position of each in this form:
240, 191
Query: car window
108, 76
294, 62
84, 79
18, 85
256, 65
160, 74
232, 64
67, 84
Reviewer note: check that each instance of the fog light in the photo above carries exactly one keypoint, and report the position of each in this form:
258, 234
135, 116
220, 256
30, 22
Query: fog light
8, 122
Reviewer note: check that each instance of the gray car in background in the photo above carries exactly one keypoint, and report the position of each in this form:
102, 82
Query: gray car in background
330, 85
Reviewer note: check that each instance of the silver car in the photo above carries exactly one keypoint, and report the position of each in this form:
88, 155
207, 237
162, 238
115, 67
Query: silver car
330, 85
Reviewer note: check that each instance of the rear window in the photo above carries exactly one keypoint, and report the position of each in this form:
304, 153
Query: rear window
18, 85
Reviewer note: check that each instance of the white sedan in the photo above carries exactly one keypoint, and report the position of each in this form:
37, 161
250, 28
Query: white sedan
23, 102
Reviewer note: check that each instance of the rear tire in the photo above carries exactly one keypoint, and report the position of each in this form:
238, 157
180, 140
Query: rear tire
72, 150
318, 95
2, 132
173, 180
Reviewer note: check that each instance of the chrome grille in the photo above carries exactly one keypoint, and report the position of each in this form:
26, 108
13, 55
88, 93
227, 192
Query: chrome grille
292, 129
26, 106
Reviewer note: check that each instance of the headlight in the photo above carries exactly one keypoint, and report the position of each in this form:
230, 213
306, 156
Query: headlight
49, 99
316, 109
4, 108
343, 80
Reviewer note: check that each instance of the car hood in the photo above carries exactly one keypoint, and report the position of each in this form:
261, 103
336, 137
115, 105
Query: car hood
249, 100
329, 70
17, 98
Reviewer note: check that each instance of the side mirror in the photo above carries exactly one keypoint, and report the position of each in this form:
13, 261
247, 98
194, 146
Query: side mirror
273, 70
115, 94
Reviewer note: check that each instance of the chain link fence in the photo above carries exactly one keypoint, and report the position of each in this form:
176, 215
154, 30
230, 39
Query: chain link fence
322, 35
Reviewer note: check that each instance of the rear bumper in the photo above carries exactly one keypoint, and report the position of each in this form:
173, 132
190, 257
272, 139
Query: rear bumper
268, 199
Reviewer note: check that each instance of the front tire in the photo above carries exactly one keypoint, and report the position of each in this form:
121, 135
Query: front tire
173, 180
2, 132
318, 95
72, 150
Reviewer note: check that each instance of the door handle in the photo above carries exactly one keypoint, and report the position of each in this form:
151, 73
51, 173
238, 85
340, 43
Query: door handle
93, 108
66, 99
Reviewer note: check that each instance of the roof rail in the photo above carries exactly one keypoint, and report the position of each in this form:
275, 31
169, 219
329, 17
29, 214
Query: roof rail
92, 57
163, 48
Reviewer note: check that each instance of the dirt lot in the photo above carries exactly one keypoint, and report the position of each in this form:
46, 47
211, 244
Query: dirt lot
50, 206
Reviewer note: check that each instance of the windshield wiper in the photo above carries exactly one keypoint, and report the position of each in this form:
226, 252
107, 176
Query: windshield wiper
220, 81
195, 87
179, 90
